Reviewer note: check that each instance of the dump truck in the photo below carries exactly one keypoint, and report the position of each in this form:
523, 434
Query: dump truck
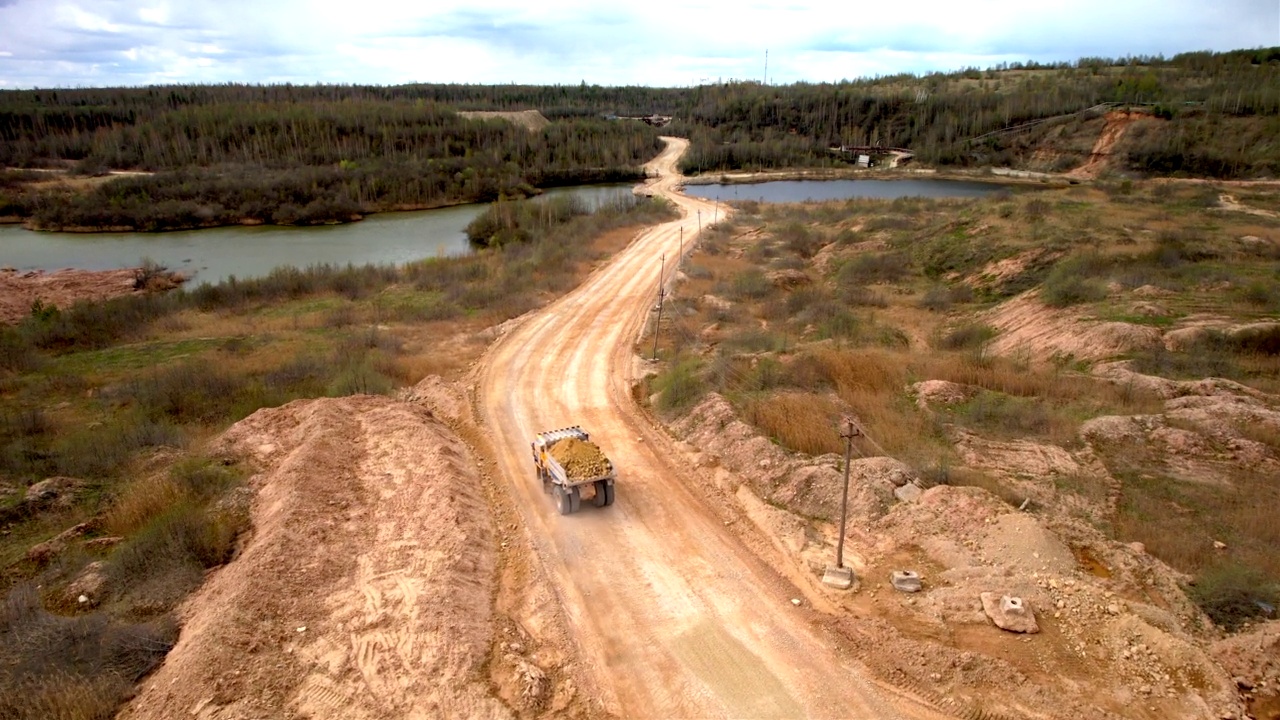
569, 464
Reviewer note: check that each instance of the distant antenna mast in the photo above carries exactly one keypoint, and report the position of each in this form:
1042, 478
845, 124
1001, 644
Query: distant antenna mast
766, 66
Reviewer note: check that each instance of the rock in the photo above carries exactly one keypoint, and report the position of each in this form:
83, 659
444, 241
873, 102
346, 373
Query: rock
788, 279
906, 580
1243, 683
89, 586
532, 680
55, 491
45, 551
1219, 545
717, 303
1009, 612
103, 543
795, 601
908, 493
1138, 547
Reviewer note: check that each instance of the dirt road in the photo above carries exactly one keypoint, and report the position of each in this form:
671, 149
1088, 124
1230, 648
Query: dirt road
672, 615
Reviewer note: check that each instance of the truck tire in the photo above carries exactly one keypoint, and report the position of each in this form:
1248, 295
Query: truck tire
604, 494
575, 500
563, 504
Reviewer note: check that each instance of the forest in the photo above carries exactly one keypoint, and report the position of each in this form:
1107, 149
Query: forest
286, 154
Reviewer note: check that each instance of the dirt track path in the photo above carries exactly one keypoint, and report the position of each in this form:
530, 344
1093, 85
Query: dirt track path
672, 615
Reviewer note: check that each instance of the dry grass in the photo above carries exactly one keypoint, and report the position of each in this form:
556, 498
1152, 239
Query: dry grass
139, 501
804, 422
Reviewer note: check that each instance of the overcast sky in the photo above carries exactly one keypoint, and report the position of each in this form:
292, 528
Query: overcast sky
61, 43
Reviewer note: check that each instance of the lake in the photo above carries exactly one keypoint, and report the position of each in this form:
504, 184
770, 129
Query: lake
784, 191
214, 254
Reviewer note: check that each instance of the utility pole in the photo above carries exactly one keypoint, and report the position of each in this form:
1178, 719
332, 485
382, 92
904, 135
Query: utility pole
840, 576
662, 291
699, 221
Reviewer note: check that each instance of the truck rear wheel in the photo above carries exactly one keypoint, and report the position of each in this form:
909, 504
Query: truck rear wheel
575, 500
604, 494
563, 504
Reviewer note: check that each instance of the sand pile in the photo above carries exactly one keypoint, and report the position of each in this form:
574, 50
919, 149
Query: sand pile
581, 459
364, 589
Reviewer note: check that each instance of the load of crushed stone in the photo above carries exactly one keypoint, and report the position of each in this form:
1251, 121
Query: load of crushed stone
580, 459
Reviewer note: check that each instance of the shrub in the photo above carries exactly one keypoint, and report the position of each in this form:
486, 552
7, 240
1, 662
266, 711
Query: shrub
872, 267
749, 284
680, 386
173, 549
936, 299
1260, 294
1070, 283
966, 337
190, 392
1008, 414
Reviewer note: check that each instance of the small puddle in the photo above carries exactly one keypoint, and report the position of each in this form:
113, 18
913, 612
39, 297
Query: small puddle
1090, 562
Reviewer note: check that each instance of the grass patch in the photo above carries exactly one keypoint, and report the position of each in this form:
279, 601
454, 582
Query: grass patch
72, 668
1231, 594
803, 422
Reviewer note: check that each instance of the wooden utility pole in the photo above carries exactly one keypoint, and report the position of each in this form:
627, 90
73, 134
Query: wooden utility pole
851, 431
838, 576
662, 292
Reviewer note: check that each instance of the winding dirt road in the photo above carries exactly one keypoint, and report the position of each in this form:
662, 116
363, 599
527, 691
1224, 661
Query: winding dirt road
672, 615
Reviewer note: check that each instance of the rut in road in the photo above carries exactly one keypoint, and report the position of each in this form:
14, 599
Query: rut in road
672, 615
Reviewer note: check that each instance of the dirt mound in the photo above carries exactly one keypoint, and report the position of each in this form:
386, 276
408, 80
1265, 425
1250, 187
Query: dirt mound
1031, 328
19, 290
1122, 634
1253, 657
1112, 618
580, 459
365, 588
531, 120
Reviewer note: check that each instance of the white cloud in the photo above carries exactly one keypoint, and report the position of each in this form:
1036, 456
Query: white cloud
64, 42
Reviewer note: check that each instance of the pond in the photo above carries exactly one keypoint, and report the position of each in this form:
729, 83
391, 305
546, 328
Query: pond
214, 254
784, 191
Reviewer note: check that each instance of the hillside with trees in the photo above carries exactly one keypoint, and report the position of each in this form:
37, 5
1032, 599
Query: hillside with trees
310, 154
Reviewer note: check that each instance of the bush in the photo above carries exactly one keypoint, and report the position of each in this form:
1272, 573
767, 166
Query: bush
167, 557
1071, 283
966, 337
1007, 414
871, 268
680, 386
749, 285
191, 392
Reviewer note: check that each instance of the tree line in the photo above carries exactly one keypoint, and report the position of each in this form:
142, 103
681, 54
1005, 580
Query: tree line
326, 153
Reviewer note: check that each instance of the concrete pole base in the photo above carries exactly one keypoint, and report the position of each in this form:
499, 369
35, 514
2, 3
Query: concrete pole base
838, 578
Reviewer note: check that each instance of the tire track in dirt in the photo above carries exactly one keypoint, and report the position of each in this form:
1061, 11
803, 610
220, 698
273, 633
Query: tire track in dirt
673, 616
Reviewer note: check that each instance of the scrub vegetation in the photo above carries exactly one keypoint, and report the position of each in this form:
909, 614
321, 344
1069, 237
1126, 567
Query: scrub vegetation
802, 314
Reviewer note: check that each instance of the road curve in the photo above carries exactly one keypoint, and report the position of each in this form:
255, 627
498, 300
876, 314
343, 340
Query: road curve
672, 615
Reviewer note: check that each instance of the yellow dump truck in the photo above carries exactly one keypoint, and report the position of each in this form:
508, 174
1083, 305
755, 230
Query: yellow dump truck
568, 464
